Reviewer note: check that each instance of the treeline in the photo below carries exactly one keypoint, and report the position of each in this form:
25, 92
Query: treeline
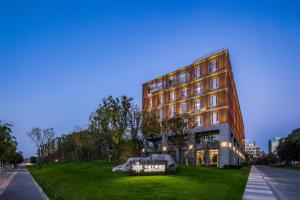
287, 152
288, 149
114, 131
8, 147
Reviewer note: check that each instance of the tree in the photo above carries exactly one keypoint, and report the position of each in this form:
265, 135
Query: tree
151, 126
271, 158
134, 122
43, 140
288, 148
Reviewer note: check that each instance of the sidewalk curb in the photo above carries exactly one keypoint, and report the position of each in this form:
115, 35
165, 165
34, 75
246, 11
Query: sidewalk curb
38, 187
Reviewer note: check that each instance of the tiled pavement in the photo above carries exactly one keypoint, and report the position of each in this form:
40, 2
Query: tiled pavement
20, 186
257, 187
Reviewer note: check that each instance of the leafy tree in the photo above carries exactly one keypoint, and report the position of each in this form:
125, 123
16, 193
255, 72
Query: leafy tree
288, 148
151, 126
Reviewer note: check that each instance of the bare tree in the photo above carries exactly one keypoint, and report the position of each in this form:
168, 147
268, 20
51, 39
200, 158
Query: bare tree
134, 122
43, 140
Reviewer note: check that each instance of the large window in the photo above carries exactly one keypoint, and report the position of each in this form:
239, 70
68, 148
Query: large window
197, 72
214, 118
172, 96
161, 99
150, 103
198, 120
214, 83
212, 66
184, 108
172, 82
213, 156
200, 157
197, 105
160, 113
172, 111
213, 100
198, 88
184, 93
183, 78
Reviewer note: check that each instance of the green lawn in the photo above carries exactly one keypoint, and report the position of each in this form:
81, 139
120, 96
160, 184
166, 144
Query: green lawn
94, 180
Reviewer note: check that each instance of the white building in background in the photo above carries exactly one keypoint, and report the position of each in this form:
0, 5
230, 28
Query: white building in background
273, 143
252, 149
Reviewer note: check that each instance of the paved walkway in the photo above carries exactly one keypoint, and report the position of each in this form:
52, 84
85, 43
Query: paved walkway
285, 183
19, 184
257, 187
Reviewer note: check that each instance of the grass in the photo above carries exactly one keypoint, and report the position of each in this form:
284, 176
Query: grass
94, 180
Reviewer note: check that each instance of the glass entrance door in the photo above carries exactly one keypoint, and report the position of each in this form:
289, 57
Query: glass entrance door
200, 157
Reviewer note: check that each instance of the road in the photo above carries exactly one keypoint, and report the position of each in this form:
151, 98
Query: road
20, 185
285, 183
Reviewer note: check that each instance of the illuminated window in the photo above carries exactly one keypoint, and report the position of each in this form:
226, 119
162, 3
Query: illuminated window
213, 100
198, 88
197, 105
161, 99
213, 156
214, 83
197, 72
200, 157
184, 108
198, 120
184, 93
171, 111
212, 67
172, 96
214, 118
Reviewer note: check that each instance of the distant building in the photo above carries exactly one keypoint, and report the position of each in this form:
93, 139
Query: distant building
252, 149
273, 143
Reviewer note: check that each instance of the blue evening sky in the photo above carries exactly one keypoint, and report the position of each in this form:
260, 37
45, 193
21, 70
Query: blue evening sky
59, 58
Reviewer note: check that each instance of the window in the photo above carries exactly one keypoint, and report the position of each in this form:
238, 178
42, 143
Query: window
183, 78
197, 72
213, 156
198, 88
172, 82
184, 93
171, 111
213, 101
160, 113
159, 86
172, 96
198, 121
214, 83
214, 118
161, 99
212, 66
150, 103
197, 105
200, 157
183, 108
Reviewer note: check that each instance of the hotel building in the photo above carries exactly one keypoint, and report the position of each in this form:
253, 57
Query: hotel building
205, 93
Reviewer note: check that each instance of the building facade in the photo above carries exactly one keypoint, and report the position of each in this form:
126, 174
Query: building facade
273, 143
252, 149
206, 94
